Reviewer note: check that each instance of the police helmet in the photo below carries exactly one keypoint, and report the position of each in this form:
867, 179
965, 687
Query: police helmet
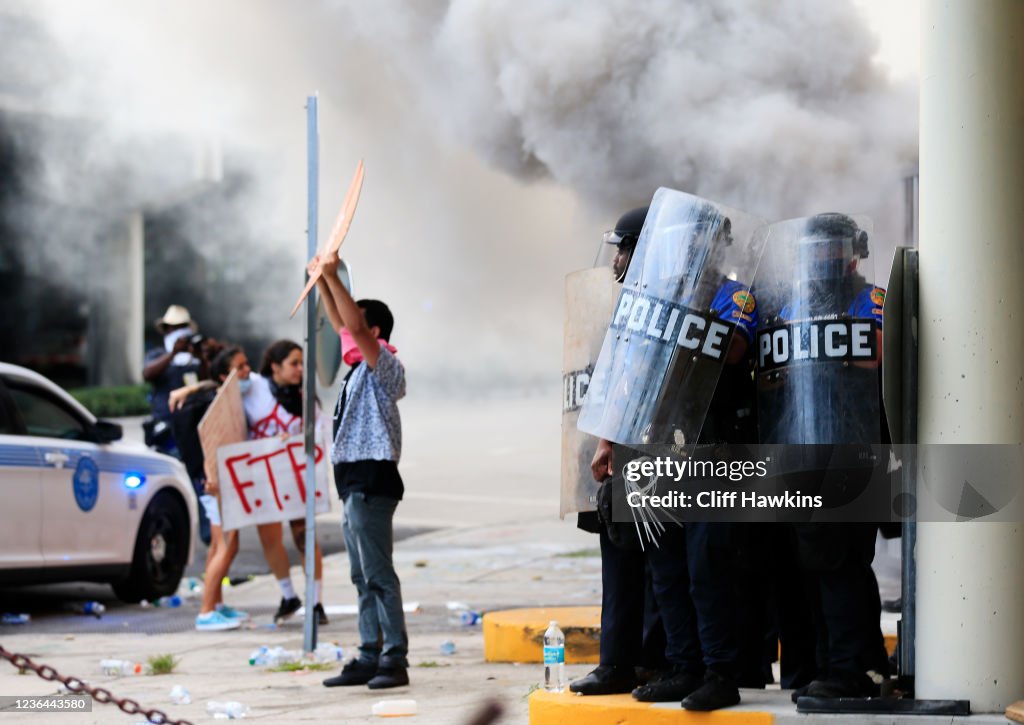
627, 228
831, 246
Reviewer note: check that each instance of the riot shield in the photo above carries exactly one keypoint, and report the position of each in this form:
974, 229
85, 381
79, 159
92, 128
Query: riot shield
589, 298
684, 302
818, 349
328, 343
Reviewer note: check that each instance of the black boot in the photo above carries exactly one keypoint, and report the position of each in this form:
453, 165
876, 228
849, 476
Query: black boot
799, 692
843, 685
671, 688
605, 680
356, 672
716, 692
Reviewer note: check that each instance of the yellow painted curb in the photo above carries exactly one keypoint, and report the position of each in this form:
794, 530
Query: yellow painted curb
517, 635
565, 708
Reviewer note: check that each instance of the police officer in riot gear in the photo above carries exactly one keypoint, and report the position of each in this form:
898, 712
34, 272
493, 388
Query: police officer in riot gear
693, 567
624, 236
632, 637
831, 407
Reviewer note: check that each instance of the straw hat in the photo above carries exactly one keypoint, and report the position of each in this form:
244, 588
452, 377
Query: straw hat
175, 316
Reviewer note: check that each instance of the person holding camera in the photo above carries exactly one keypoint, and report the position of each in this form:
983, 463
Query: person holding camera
177, 364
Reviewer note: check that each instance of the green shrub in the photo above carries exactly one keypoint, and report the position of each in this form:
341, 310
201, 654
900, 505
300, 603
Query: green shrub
163, 664
115, 401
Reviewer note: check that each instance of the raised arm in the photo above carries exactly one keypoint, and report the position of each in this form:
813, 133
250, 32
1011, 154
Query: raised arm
155, 367
330, 306
352, 317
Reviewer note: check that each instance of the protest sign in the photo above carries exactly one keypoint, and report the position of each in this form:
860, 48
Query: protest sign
263, 480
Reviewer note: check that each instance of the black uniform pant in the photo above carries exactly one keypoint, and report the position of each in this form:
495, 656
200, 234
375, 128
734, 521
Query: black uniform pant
836, 559
694, 580
773, 608
631, 629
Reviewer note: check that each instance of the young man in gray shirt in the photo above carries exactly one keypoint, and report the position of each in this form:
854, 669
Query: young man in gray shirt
367, 446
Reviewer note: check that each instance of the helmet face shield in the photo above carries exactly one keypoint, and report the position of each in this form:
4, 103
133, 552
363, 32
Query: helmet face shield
615, 257
613, 237
824, 258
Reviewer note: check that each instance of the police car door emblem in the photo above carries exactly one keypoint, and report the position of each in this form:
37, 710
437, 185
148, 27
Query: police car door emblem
86, 483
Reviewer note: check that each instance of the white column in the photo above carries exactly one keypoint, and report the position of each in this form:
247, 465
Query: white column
970, 576
136, 293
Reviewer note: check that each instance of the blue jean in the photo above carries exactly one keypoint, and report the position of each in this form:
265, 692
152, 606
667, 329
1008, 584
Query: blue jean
369, 540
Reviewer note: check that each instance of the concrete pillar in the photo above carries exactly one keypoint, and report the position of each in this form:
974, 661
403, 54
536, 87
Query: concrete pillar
136, 294
970, 576
119, 323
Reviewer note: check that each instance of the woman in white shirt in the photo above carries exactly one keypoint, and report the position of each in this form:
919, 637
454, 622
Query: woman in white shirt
273, 407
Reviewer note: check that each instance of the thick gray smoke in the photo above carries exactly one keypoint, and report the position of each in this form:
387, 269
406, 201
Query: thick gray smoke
771, 106
500, 139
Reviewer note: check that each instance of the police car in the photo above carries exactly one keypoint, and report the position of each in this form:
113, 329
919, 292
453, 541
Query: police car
76, 504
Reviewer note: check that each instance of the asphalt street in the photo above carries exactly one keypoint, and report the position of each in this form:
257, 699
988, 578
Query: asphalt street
465, 464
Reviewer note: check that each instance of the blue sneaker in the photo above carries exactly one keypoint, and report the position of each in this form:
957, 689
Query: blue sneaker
214, 622
232, 613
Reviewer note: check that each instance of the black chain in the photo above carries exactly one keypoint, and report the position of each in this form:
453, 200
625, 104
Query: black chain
98, 694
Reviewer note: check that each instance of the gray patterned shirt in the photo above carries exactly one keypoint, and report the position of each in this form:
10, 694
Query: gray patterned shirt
371, 428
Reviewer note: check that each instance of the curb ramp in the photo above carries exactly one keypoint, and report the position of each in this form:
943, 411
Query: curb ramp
517, 635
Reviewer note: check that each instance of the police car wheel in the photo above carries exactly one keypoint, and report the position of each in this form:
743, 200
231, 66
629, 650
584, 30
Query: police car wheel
161, 550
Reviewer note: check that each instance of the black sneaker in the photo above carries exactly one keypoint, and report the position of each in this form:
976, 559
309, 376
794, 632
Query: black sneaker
672, 688
605, 680
799, 692
356, 672
389, 677
321, 615
288, 608
716, 692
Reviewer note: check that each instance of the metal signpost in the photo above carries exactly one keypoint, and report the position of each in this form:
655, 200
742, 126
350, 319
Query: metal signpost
309, 375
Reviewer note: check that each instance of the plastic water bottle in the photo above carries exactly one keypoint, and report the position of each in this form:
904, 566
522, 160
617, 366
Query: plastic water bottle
231, 710
394, 708
180, 696
170, 602
554, 659
267, 657
9, 618
461, 615
447, 647
94, 608
328, 652
120, 668
190, 588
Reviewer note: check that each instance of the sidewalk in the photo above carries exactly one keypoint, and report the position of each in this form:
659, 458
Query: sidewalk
493, 567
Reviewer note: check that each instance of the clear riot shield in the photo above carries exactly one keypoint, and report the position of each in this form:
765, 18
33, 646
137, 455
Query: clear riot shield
589, 298
819, 340
684, 300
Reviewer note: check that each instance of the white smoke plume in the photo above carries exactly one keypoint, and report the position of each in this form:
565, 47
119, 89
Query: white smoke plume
772, 106
500, 137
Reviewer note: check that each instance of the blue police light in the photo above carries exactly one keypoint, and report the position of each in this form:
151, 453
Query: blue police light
133, 480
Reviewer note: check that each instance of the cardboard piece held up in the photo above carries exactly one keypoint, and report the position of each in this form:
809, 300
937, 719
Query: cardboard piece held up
338, 232
223, 423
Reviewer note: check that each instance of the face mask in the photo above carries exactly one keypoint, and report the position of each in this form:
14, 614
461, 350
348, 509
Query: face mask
244, 385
